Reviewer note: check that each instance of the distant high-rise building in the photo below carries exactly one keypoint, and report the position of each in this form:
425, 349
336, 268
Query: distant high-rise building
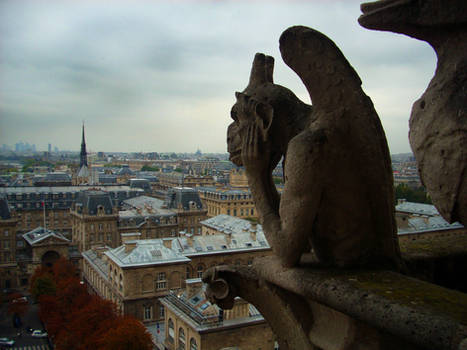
49, 149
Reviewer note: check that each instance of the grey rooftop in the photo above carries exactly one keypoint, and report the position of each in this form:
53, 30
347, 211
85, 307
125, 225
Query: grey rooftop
39, 234
145, 252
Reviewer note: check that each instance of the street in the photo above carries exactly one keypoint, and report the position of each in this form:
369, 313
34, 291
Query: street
23, 339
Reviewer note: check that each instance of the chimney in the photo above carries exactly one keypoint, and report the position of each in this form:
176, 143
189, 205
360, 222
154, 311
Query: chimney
253, 234
228, 237
253, 230
129, 246
167, 242
189, 239
193, 286
131, 236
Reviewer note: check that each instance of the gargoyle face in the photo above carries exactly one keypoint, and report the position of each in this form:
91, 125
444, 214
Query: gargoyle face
415, 18
246, 112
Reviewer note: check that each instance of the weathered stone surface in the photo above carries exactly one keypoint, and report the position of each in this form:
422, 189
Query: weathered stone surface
338, 193
346, 309
438, 122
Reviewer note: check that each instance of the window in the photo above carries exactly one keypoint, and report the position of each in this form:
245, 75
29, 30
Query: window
181, 339
147, 312
161, 281
193, 345
161, 311
171, 333
200, 270
6, 233
188, 272
101, 227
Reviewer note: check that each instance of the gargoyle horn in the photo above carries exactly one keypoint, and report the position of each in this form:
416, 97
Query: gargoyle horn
261, 71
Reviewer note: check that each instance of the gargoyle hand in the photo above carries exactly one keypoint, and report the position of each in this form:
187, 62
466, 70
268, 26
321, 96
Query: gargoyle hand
255, 151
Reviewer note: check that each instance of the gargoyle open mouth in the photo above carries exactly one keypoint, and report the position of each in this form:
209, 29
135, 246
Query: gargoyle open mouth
370, 8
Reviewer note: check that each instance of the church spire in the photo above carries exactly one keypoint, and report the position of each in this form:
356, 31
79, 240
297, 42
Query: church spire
83, 155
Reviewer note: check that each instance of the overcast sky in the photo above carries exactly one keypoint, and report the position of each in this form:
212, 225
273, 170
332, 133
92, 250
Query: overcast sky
161, 75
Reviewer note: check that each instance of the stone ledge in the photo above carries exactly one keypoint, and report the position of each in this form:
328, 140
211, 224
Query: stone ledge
424, 314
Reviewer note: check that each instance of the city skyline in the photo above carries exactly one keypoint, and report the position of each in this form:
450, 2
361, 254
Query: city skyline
161, 77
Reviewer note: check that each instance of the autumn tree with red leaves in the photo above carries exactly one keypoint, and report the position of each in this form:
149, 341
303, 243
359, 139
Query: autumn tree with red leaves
77, 320
127, 334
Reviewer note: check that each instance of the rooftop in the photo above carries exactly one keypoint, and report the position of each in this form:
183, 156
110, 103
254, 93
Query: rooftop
39, 234
144, 252
63, 189
433, 223
144, 206
196, 310
417, 208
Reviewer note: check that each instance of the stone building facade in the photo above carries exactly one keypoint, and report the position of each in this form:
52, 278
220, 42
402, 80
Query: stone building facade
137, 273
228, 201
175, 179
44, 247
238, 179
8, 263
148, 216
192, 322
94, 220
187, 203
30, 205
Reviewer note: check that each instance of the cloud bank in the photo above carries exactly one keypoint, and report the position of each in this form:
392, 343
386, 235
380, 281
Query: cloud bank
161, 76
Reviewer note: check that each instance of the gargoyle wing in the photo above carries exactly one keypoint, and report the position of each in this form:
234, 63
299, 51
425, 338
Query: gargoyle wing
320, 64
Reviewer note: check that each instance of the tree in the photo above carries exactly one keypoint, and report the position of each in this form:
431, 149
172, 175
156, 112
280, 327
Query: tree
43, 285
417, 195
149, 168
82, 327
79, 321
126, 334
63, 269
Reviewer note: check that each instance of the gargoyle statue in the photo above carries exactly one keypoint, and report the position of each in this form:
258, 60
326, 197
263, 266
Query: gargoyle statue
438, 123
338, 193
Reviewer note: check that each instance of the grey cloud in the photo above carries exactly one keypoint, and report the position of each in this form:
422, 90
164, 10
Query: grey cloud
147, 68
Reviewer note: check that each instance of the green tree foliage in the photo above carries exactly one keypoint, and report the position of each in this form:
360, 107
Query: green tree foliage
178, 170
43, 285
30, 163
417, 195
149, 168
278, 180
